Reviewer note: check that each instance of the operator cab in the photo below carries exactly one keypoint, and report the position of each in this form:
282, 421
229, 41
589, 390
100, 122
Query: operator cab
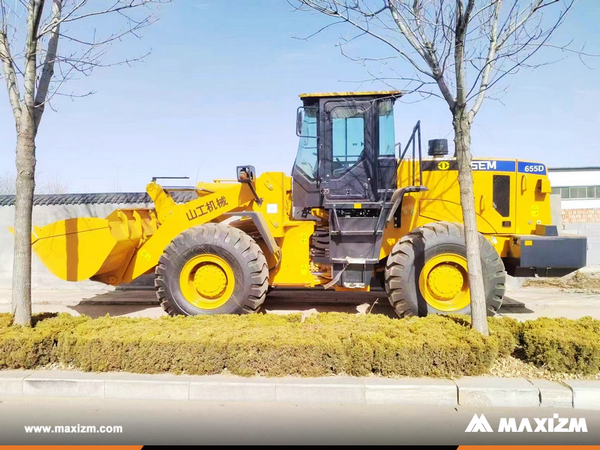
346, 166
346, 153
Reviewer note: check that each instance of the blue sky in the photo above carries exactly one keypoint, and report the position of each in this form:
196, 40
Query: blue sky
221, 86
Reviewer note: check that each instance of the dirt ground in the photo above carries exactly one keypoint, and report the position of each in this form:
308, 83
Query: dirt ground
521, 303
585, 282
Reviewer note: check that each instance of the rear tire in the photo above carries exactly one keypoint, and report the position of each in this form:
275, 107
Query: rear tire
410, 255
212, 259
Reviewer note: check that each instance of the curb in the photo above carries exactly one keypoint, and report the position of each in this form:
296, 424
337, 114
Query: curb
467, 391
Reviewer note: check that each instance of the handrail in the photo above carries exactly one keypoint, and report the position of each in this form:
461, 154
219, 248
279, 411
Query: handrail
417, 130
413, 188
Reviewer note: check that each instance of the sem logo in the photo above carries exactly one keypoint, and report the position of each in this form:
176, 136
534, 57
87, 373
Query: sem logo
443, 165
483, 165
554, 424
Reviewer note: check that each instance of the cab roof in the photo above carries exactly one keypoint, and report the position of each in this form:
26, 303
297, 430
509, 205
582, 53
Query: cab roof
353, 94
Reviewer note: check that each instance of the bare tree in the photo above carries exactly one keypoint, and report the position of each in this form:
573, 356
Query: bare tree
457, 50
50, 185
37, 74
7, 184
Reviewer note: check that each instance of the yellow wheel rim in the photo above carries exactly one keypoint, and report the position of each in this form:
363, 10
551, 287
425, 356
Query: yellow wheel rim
444, 282
207, 281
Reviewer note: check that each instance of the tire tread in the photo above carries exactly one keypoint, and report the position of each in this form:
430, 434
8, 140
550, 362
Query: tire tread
251, 254
400, 262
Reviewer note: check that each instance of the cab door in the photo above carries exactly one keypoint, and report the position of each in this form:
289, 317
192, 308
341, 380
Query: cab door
305, 173
347, 160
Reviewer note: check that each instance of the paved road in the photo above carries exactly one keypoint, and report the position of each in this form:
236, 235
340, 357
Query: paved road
522, 304
164, 422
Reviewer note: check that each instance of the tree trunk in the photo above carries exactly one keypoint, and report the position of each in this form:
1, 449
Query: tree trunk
462, 142
25, 186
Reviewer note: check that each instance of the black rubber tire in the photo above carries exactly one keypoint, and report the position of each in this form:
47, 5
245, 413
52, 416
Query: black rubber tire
243, 254
410, 254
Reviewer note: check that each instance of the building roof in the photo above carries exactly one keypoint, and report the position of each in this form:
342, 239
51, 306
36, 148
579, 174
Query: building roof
353, 94
574, 169
94, 199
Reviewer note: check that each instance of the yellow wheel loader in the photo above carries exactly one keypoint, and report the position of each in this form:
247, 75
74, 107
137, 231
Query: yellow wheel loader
353, 211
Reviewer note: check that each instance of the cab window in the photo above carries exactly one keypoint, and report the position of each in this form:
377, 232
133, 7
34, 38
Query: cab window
348, 138
306, 159
387, 141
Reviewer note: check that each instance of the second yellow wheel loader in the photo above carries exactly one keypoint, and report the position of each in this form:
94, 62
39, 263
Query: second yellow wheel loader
352, 211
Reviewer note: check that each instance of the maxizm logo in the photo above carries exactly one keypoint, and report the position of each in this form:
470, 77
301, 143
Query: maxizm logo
553, 424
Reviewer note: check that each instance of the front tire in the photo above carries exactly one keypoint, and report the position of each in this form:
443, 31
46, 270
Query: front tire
426, 273
212, 269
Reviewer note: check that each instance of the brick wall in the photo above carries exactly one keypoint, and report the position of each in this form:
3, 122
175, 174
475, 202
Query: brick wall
580, 215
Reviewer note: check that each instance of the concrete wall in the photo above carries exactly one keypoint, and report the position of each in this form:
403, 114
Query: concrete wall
592, 231
578, 223
556, 210
43, 215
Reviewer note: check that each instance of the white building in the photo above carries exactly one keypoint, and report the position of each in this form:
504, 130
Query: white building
579, 187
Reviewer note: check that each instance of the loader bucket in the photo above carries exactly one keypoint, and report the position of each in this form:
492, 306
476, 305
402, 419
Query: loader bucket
82, 248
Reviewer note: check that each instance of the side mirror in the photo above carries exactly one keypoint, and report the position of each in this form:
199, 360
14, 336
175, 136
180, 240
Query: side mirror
299, 120
245, 174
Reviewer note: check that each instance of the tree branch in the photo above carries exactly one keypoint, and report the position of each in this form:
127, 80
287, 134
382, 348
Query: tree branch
48, 66
462, 22
345, 18
117, 7
535, 6
426, 54
489, 64
35, 9
10, 77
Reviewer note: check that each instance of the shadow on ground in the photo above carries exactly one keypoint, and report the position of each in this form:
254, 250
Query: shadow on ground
512, 306
126, 302
142, 303
281, 301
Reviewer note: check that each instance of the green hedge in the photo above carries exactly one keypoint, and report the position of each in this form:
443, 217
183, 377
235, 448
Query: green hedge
562, 345
33, 347
323, 344
271, 345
